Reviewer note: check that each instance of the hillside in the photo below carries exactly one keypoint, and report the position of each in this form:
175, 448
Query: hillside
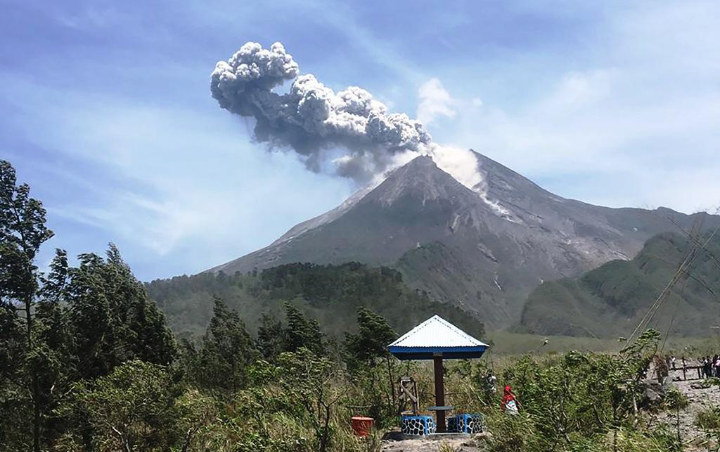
610, 300
331, 294
483, 249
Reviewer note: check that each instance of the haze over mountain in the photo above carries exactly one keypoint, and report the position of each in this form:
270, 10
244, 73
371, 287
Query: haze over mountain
483, 249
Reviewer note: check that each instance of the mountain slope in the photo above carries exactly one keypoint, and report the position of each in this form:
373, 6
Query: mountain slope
484, 251
330, 294
610, 300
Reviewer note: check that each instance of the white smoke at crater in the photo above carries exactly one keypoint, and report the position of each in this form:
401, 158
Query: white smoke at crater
317, 122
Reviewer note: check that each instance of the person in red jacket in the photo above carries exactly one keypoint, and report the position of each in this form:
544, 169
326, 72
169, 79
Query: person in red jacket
509, 404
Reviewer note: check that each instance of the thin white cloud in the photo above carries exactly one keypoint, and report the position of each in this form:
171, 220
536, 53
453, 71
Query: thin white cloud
200, 192
636, 126
435, 102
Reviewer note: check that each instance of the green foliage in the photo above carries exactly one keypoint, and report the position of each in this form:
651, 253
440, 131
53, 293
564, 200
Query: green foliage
226, 352
111, 317
373, 372
708, 418
132, 408
302, 332
582, 394
709, 382
371, 341
272, 338
610, 300
22, 232
331, 294
308, 379
514, 433
675, 400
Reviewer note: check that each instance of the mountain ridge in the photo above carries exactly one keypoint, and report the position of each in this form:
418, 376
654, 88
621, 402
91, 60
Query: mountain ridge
484, 249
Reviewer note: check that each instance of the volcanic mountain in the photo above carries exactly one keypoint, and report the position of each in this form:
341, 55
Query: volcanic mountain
484, 249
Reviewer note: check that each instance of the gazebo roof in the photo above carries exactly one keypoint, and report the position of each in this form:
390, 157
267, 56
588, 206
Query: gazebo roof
437, 337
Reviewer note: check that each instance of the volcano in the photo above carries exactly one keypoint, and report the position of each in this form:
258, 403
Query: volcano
484, 249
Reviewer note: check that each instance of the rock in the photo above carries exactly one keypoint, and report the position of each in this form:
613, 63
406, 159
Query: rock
652, 395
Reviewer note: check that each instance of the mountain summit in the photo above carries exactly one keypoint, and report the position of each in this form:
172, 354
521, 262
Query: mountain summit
483, 249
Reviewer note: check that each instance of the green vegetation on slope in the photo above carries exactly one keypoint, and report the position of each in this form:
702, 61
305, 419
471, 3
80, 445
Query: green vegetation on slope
611, 300
332, 294
87, 363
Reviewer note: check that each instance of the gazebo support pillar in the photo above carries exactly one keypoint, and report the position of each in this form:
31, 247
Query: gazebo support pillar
439, 393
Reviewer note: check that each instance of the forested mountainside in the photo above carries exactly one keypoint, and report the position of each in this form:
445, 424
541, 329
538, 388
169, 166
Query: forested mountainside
483, 248
611, 300
332, 294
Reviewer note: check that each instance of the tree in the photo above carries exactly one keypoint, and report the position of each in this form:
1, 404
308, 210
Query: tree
271, 337
226, 353
367, 358
112, 319
132, 408
371, 341
302, 332
22, 232
308, 379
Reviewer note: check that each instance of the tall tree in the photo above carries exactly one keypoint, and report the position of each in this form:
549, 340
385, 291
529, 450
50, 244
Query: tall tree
367, 358
302, 332
112, 319
227, 351
271, 337
373, 336
22, 232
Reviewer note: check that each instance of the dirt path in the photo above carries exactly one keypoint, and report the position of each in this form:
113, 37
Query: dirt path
454, 444
699, 399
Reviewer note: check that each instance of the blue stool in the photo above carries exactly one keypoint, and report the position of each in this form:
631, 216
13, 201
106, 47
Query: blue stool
466, 423
418, 425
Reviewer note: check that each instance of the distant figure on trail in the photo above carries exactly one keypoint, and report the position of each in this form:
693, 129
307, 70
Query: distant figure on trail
707, 367
713, 368
509, 404
672, 362
491, 380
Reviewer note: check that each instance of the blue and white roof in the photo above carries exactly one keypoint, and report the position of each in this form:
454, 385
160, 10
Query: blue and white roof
437, 337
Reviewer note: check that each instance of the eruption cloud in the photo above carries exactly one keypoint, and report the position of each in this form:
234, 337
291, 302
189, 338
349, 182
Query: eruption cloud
314, 120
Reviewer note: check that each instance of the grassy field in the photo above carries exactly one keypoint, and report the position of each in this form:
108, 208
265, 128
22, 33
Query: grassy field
508, 343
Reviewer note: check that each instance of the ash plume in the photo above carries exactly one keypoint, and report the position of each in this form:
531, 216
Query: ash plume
311, 118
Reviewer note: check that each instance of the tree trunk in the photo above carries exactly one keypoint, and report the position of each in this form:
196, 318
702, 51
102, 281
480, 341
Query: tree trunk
35, 384
391, 377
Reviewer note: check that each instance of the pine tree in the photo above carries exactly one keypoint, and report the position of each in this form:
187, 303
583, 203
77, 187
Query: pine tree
22, 232
302, 332
226, 352
112, 319
271, 337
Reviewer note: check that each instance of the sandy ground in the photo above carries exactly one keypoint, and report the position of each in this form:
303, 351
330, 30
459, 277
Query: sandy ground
455, 443
699, 399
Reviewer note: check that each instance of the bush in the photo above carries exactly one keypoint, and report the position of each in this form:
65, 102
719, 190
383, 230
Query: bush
708, 419
675, 400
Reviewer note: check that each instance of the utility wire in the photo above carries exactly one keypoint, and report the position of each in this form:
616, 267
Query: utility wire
692, 253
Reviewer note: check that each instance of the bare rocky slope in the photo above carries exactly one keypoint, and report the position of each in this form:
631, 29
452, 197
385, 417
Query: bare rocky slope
484, 250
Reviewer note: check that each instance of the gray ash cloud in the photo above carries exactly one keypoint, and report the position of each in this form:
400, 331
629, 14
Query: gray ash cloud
311, 118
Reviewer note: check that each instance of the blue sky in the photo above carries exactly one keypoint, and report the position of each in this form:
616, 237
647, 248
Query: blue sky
106, 110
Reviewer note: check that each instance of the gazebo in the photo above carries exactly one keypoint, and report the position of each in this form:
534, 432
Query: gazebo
437, 339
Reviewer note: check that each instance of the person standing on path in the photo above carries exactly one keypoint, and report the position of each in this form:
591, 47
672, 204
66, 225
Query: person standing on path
509, 403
